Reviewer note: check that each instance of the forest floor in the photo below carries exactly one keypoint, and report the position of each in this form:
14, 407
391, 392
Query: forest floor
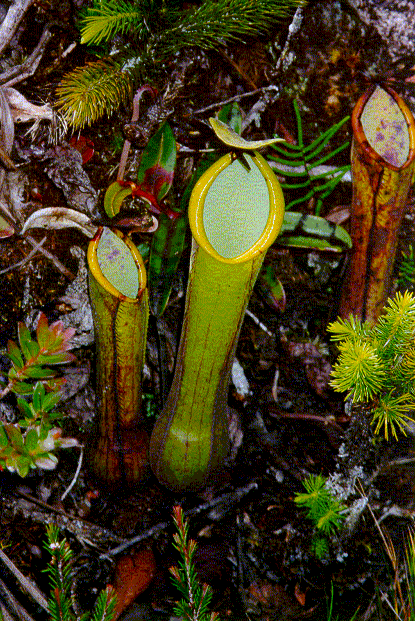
255, 545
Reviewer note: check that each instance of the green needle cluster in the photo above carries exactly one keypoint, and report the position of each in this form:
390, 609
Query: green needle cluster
149, 33
377, 364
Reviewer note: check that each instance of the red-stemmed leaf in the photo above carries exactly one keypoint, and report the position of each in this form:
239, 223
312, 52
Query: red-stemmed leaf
158, 161
154, 206
53, 339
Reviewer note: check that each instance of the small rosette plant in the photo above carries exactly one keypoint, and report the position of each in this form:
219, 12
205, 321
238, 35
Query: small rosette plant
30, 443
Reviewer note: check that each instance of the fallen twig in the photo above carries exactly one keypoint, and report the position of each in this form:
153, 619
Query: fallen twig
219, 104
10, 607
44, 514
12, 21
229, 499
76, 475
18, 73
64, 270
27, 584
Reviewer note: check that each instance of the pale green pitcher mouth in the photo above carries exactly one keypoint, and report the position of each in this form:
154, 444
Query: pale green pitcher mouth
235, 214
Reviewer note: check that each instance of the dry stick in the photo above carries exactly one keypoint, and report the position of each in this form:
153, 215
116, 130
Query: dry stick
64, 270
127, 143
25, 70
292, 31
219, 104
76, 475
232, 497
12, 21
25, 582
9, 603
78, 526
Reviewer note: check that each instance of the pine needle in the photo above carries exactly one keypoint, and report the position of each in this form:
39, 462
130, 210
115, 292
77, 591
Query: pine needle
87, 93
104, 20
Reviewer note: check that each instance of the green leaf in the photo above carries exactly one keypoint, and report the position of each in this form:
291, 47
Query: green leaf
50, 401
6, 229
56, 358
231, 115
157, 164
4, 440
14, 354
303, 231
38, 396
31, 440
229, 137
24, 340
23, 465
33, 348
300, 161
102, 21
36, 372
87, 93
25, 408
166, 250
15, 436
359, 370
271, 289
23, 388
352, 328
45, 337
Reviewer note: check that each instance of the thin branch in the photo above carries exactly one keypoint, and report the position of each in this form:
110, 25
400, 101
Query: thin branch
259, 323
80, 528
25, 582
25, 70
76, 475
219, 104
12, 21
10, 607
64, 270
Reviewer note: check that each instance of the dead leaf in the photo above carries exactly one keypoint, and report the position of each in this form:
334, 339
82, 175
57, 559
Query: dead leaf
133, 575
60, 218
23, 111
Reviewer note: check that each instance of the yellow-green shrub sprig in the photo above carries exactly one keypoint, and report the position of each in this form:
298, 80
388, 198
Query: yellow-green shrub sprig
377, 365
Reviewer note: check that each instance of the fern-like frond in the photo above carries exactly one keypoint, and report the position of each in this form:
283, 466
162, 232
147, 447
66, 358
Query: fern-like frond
89, 92
105, 19
359, 371
391, 413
